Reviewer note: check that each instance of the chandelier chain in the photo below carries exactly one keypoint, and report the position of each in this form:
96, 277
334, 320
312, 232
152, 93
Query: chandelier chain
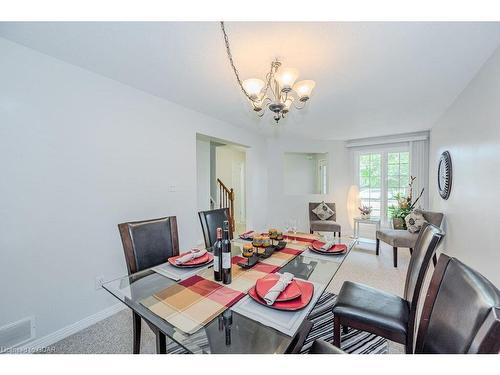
236, 73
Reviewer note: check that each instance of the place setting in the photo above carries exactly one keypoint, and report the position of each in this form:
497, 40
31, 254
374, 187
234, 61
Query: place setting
247, 236
186, 264
279, 300
282, 292
329, 249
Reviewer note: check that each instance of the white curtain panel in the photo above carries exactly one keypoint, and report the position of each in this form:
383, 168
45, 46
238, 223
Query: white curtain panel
419, 168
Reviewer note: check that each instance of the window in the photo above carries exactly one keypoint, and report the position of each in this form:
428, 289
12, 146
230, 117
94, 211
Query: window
370, 181
398, 176
381, 176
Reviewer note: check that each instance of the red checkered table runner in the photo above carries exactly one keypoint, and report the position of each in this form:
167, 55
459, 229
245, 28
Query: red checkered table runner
192, 303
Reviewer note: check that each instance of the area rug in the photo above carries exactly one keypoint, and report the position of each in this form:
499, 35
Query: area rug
354, 341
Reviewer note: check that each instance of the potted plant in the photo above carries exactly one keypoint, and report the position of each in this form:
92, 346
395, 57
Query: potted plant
405, 206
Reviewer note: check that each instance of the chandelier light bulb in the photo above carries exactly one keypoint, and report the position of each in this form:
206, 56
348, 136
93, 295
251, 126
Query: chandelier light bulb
304, 89
286, 78
253, 87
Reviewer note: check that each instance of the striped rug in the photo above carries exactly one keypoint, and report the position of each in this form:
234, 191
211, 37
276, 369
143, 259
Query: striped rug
354, 341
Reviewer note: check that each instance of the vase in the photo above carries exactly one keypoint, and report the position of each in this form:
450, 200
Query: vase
365, 216
398, 223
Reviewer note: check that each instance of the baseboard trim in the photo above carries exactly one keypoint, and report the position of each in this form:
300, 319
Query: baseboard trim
52, 338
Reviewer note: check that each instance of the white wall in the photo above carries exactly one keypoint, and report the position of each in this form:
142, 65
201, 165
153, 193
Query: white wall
285, 206
203, 174
299, 173
79, 154
470, 131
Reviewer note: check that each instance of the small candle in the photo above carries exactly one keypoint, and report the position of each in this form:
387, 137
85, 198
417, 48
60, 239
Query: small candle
247, 250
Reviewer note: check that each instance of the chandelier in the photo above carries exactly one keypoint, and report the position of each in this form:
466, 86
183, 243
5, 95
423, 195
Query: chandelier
278, 93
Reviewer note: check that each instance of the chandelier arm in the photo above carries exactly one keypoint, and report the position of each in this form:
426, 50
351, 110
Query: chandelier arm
269, 77
277, 96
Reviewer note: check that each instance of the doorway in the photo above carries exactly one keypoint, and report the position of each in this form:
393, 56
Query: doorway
220, 162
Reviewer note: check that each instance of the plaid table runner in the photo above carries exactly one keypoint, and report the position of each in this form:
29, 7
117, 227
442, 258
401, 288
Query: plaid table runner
194, 302
303, 238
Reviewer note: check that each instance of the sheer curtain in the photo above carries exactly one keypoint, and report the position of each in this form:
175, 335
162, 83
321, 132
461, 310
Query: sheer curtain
419, 168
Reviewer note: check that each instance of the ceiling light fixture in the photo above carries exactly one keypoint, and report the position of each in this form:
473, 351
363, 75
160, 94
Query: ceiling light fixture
278, 92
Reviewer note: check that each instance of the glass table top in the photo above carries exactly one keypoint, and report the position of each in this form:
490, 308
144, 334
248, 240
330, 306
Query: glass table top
229, 331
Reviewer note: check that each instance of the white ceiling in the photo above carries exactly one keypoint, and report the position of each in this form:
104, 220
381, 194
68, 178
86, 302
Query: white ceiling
372, 78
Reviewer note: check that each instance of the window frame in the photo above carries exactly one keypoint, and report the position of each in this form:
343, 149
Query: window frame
323, 182
383, 151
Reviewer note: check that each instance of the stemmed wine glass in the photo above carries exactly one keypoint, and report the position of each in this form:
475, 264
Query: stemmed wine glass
293, 227
288, 226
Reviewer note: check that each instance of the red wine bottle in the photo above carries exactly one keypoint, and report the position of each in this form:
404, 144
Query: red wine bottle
218, 256
226, 255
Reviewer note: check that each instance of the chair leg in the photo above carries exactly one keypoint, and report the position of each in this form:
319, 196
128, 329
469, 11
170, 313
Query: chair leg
336, 331
334, 234
434, 259
161, 343
395, 255
136, 324
377, 247
311, 231
411, 251
340, 235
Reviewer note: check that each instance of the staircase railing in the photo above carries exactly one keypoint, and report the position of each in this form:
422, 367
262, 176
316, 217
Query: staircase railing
226, 200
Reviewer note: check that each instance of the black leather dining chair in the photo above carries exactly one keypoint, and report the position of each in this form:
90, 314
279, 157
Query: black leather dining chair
147, 244
210, 221
388, 315
461, 314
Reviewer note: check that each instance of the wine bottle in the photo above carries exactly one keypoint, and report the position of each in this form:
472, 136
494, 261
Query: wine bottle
218, 256
226, 255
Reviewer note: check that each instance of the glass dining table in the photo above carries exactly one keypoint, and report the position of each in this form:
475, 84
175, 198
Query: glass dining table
228, 330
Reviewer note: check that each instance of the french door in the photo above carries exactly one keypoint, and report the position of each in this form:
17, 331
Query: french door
381, 175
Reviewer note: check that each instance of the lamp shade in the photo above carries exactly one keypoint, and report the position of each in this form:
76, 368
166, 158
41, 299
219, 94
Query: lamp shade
304, 89
286, 77
253, 87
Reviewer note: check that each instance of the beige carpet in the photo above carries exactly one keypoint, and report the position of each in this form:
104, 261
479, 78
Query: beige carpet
114, 334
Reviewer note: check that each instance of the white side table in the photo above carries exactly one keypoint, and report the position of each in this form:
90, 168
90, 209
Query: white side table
365, 220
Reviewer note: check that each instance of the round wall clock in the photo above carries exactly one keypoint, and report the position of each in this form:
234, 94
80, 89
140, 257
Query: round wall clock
444, 175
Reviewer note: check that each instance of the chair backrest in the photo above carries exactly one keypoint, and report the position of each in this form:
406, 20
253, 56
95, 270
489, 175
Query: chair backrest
312, 215
427, 242
210, 221
434, 218
461, 312
149, 243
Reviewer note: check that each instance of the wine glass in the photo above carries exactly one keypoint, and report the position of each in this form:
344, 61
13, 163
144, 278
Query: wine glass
293, 227
287, 226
